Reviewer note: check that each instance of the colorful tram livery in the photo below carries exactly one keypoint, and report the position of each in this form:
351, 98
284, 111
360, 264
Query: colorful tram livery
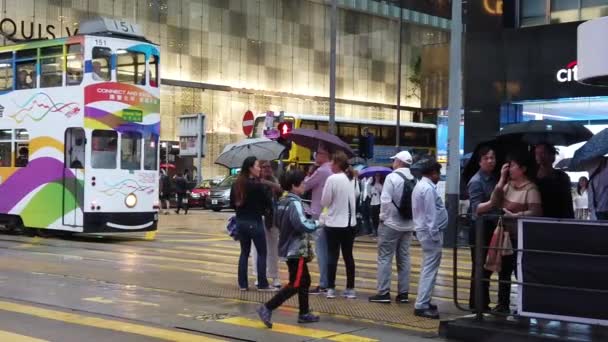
79, 131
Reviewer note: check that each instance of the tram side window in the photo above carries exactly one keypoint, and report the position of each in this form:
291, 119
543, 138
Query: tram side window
102, 58
22, 147
151, 152
130, 67
153, 64
51, 70
6, 71
130, 151
6, 136
74, 64
26, 75
104, 149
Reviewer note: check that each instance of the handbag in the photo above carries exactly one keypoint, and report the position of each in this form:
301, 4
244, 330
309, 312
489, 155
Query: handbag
500, 245
232, 228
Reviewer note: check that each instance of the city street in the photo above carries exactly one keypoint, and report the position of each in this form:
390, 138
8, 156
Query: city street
180, 285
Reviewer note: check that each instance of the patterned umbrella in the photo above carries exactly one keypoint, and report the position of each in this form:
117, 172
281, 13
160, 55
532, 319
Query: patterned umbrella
596, 147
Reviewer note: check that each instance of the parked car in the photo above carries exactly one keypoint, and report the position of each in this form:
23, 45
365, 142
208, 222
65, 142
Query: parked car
219, 197
200, 193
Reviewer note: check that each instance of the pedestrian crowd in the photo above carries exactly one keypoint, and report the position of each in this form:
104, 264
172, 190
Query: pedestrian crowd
314, 215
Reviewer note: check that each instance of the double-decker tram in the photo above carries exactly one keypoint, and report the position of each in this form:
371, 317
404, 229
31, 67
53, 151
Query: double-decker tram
79, 131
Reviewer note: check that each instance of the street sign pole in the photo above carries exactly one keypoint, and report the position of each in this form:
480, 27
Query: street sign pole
454, 113
199, 147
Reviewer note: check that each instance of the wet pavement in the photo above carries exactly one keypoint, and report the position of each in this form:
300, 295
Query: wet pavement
180, 285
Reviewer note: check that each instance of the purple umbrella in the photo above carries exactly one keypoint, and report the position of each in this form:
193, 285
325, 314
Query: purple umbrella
372, 170
311, 139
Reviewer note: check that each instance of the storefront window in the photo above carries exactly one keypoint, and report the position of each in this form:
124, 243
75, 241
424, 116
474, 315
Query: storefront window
130, 151
533, 12
103, 155
563, 11
592, 9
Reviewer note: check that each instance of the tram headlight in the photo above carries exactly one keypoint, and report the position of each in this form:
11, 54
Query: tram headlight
131, 200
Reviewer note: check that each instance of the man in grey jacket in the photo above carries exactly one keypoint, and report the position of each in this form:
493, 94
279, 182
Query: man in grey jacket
394, 233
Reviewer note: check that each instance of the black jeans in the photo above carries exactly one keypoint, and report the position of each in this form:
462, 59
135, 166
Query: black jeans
299, 282
248, 231
375, 210
488, 230
180, 205
508, 266
340, 238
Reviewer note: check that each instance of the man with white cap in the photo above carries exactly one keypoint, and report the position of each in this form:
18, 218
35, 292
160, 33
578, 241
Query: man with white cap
395, 231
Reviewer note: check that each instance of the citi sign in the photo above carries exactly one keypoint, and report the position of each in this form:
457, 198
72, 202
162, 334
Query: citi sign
568, 74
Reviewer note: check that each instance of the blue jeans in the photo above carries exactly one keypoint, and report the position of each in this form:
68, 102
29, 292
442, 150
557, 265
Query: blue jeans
321, 254
252, 230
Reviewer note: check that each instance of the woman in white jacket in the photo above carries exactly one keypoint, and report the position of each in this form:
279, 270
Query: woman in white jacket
340, 225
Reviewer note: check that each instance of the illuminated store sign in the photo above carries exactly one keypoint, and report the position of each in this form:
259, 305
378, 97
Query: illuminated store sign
568, 74
29, 30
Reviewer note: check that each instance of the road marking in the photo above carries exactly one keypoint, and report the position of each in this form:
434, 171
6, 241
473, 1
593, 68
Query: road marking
33, 242
150, 236
102, 323
8, 336
199, 240
296, 330
103, 300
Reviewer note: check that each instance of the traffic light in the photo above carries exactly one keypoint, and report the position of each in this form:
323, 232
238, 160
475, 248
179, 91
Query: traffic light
284, 128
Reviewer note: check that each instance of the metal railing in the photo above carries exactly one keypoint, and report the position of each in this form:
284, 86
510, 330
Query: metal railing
481, 246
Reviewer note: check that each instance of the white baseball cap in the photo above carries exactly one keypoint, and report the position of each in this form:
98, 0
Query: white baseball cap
404, 156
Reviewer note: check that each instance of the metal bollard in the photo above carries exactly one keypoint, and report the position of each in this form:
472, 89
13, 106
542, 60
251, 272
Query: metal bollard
479, 226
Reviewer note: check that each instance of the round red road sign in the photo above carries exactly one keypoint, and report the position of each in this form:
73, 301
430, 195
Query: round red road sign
248, 123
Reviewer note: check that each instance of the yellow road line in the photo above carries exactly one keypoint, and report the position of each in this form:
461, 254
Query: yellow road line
101, 323
296, 330
8, 336
199, 240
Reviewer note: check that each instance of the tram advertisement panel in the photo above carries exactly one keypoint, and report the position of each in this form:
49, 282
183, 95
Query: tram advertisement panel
565, 268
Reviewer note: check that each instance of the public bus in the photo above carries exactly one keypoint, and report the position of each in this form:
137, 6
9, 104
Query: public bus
79, 131
418, 138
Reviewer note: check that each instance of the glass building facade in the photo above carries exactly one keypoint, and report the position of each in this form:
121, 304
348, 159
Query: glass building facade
224, 57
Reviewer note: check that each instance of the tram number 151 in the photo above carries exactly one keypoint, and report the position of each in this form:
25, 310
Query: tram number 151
124, 26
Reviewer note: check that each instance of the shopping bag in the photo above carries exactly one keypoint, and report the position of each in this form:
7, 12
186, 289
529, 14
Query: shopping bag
500, 245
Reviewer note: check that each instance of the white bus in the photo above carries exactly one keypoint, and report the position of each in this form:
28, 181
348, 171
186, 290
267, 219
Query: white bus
79, 131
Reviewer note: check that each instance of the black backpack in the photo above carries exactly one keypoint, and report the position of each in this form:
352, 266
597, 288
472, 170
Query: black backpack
405, 203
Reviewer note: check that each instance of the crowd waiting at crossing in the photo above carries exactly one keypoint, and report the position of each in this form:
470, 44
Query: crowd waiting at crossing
394, 208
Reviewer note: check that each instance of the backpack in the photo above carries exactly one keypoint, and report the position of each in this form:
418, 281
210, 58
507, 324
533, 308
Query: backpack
405, 203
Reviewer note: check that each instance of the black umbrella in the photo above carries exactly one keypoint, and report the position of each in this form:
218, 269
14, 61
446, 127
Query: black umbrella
560, 133
596, 147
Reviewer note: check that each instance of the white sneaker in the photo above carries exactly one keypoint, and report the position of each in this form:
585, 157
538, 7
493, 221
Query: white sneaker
349, 294
277, 283
331, 293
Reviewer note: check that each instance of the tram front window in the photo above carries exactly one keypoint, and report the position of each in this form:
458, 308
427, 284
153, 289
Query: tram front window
130, 151
130, 67
101, 63
104, 147
151, 152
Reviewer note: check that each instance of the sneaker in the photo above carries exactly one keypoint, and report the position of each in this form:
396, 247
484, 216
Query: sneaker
277, 283
402, 298
265, 316
381, 298
318, 290
267, 289
427, 313
349, 294
308, 318
331, 293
